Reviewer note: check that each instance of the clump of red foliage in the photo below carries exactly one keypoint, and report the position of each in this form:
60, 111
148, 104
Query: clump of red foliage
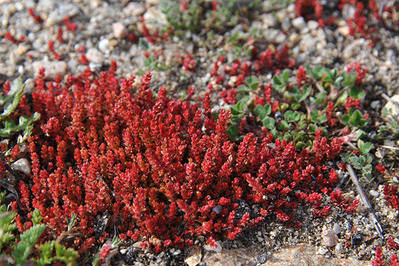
309, 9
164, 169
391, 195
264, 61
364, 22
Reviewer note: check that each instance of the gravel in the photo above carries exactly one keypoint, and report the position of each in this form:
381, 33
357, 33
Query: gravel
102, 30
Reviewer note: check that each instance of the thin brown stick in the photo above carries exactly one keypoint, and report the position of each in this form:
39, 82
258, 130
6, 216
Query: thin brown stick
365, 201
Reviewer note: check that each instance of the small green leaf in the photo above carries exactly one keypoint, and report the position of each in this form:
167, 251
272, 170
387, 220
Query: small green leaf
349, 79
291, 116
66, 255
356, 119
36, 217
269, 122
355, 161
341, 99
314, 115
367, 171
312, 128
304, 93
322, 119
252, 82
364, 147
46, 254
10, 107
72, 221
356, 93
143, 44
243, 89
284, 125
320, 97
28, 239
233, 132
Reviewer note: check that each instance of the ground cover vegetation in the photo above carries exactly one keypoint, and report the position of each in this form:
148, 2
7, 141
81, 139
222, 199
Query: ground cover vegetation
114, 161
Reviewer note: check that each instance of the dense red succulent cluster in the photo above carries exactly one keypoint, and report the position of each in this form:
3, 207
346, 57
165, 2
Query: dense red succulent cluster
164, 169
391, 195
309, 9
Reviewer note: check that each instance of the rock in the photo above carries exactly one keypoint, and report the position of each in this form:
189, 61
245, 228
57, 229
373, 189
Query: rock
307, 43
119, 30
269, 20
224, 257
339, 248
280, 38
52, 68
21, 165
374, 193
194, 257
286, 24
154, 19
134, 9
337, 229
344, 30
152, 2
329, 238
375, 104
312, 24
322, 251
299, 23
103, 45
306, 255
21, 49
60, 12
348, 11
94, 56
391, 108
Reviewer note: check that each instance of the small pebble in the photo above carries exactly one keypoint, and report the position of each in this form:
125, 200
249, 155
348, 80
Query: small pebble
329, 238
299, 23
374, 193
94, 56
21, 165
52, 68
119, 30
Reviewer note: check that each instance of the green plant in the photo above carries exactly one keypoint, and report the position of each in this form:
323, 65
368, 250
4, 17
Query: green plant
10, 102
21, 252
363, 160
302, 109
179, 20
243, 106
197, 15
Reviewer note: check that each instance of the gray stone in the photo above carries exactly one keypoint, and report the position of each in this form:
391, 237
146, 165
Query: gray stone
312, 24
94, 56
374, 193
59, 13
299, 23
329, 238
22, 165
52, 68
119, 30
103, 45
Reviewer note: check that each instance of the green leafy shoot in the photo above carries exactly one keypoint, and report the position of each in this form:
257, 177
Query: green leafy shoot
280, 82
28, 239
12, 99
72, 221
36, 217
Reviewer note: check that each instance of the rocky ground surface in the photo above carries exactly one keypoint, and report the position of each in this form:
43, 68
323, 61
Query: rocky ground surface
103, 33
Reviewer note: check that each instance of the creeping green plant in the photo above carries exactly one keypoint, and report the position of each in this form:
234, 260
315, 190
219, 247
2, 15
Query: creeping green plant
9, 104
19, 249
